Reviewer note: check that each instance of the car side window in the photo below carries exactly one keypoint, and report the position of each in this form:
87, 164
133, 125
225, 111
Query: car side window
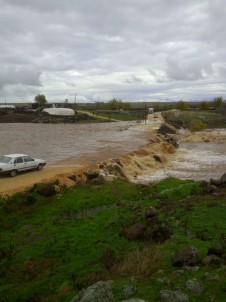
19, 160
27, 159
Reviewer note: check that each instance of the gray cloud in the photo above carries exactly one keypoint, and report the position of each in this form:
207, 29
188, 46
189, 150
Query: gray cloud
134, 80
12, 75
192, 70
134, 50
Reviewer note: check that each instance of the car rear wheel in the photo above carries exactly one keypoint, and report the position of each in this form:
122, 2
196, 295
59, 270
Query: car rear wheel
13, 173
39, 167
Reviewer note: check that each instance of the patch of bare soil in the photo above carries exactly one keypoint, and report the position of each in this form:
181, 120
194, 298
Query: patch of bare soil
14, 117
34, 117
64, 175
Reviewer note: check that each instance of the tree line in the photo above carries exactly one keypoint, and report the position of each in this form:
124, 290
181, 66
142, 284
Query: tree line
204, 105
117, 104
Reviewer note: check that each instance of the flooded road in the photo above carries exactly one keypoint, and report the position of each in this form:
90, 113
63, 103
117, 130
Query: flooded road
71, 143
69, 149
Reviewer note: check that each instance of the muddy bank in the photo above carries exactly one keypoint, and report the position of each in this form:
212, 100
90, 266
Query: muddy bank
27, 179
13, 117
33, 117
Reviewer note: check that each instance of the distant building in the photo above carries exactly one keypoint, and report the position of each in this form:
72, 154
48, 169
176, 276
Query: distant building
150, 110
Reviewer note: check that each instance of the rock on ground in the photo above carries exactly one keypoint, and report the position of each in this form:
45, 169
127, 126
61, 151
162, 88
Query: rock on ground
173, 296
98, 292
195, 286
189, 256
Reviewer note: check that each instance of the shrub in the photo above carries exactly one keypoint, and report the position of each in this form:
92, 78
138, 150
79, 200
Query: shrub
196, 125
140, 262
182, 105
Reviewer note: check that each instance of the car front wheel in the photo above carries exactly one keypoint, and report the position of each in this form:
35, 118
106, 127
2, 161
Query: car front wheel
39, 167
13, 173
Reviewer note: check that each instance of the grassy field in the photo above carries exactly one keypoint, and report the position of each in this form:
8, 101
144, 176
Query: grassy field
185, 118
52, 247
124, 117
132, 116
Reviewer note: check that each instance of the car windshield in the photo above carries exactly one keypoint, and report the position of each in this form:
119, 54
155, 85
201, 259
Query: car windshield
5, 159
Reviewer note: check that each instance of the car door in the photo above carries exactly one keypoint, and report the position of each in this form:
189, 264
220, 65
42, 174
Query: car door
19, 163
29, 163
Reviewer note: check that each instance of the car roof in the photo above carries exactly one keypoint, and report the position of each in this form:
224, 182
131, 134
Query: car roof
15, 155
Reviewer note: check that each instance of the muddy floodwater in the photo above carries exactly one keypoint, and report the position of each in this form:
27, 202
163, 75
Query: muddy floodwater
198, 160
67, 144
68, 148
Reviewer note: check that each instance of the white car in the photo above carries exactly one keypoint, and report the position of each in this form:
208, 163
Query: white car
13, 163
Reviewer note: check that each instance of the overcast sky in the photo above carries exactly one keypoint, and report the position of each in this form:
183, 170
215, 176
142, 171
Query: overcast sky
134, 50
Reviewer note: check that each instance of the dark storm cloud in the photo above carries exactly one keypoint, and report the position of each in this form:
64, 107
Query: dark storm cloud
134, 50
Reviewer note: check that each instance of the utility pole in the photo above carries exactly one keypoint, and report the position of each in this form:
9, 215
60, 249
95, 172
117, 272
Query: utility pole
75, 101
145, 112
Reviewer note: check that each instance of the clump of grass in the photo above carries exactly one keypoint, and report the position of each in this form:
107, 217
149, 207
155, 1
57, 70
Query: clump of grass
196, 125
6, 253
140, 263
64, 290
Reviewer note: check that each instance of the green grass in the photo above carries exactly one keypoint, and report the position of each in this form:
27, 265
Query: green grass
184, 118
132, 116
50, 248
123, 116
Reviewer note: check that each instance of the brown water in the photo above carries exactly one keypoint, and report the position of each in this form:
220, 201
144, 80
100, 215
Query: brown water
199, 160
79, 145
191, 161
67, 143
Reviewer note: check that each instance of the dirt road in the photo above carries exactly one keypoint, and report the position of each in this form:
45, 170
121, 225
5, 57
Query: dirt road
24, 180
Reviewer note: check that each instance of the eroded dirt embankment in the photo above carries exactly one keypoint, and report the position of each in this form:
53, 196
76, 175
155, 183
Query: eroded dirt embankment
200, 155
148, 159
